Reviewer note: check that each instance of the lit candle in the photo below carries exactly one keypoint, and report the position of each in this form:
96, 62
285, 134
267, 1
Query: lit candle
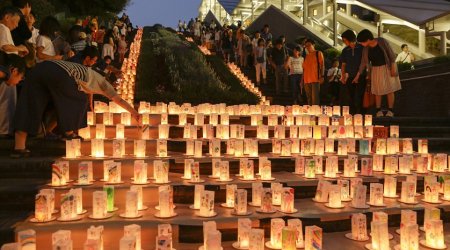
214, 145
393, 146
409, 237
85, 173
265, 169
390, 187
71, 150
262, 132
331, 166
257, 189
197, 195
405, 164
381, 146
431, 192
391, 165
100, 131
408, 192
198, 149
366, 167
422, 146
289, 238
97, 148
345, 189
277, 189
90, 118
300, 162
195, 172
125, 119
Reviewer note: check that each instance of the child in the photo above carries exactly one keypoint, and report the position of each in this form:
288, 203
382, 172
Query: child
10, 75
295, 64
122, 48
334, 76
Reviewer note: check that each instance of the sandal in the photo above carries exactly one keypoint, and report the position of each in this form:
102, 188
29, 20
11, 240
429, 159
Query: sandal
20, 153
72, 136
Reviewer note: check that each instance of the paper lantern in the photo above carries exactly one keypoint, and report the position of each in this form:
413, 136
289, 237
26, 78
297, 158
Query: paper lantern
359, 196
334, 200
405, 164
131, 205
376, 195
434, 235
125, 119
90, 118
114, 172
99, 206
188, 163
224, 171
439, 163
213, 240
313, 238
342, 147
431, 214
182, 119
97, 148
319, 164
319, 147
364, 147
331, 166
366, 167
127, 243
240, 202
265, 169
134, 231
230, 195
118, 148
59, 174
409, 237
446, 196
163, 131
61, 239
393, 146
381, 146
109, 197
408, 194
359, 227
300, 163
26, 239
378, 162
223, 132
197, 196
407, 147
380, 235
214, 146
345, 189
266, 201
431, 192
329, 145
85, 173
257, 189
322, 191
166, 207
287, 201
100, 131
207, 204
422, 146
276, 227
391, 165
43, 211
310, 169
277, 189
256, 239
195, 173
390, 187
262, 132
71, 149
248, 171
422, 164
349, 169
161, 172
138, 190
161, 148
164, 242
244, 232
408, 217
140, 172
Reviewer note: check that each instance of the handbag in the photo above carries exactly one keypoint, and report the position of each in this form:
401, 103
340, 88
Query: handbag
369, 98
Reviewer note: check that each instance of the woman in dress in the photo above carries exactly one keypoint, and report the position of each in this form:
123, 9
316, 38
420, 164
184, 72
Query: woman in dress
379, 58
69, 86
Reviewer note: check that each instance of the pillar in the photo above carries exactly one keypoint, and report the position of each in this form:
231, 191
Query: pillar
443, 43
335, 43
282, 4
305, 11
348, 9
324, 7
253, 11
422, 41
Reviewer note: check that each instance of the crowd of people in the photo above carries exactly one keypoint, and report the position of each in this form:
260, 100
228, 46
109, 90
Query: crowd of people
366, 69
50, 75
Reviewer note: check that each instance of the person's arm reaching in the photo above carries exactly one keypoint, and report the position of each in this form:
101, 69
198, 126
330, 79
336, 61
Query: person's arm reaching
122, 103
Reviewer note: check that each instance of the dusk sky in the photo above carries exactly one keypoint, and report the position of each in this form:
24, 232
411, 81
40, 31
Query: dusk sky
165, 12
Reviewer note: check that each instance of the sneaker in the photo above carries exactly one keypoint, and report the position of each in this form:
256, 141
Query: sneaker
390, 114
380, 114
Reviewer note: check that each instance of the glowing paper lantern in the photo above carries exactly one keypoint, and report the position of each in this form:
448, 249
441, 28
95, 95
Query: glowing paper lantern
380, 235
322, 191
313, 238
207, 204
408, 194
359, 227
99, 206
161, 148
334, 200
140, 172
61, 239
276, 227
161, 172
376, 194
240, 202
256, 239
197, 196
359, 196
390, 187
434, 235
287, 201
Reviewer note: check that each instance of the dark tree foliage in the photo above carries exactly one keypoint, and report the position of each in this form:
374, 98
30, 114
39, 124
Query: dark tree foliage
93, 7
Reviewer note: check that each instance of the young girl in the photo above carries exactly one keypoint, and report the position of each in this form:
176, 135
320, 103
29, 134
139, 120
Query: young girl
44, 45
260, 61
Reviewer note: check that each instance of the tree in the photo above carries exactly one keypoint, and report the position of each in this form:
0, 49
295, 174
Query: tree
93, 7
